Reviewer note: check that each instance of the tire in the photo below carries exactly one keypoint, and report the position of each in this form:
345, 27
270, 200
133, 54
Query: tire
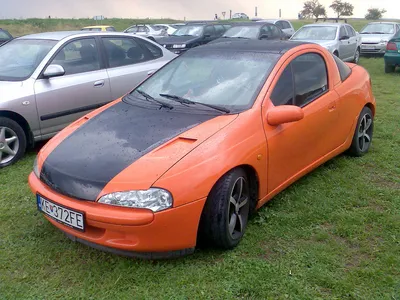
389, 68
12, 142
362, 138
357, 55
222, 207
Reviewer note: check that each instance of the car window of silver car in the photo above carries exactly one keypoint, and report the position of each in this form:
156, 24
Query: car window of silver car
316, 33
343, 32
125, 51
78, 56
350, 31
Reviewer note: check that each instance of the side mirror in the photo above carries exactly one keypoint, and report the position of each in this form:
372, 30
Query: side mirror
284, 114
54, 71
343, 38
264, 37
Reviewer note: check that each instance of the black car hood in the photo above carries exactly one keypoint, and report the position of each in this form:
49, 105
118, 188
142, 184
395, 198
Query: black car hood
82, 164
170, 40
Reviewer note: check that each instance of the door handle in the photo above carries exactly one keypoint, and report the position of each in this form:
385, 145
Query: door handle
99, 83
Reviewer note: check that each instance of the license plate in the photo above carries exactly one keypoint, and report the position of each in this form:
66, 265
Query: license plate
61, 214
368, 47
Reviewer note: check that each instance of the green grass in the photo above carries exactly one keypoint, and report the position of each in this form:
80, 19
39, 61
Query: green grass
335, 234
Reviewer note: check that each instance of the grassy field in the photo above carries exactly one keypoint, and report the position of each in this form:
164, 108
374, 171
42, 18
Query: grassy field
335, 234
23, 27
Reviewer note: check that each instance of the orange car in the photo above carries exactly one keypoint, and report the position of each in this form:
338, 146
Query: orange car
195, 148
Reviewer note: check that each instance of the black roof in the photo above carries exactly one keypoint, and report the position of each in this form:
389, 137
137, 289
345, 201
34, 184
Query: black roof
278, 47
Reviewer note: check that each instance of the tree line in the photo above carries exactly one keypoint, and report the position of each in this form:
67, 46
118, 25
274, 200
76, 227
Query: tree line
312, 8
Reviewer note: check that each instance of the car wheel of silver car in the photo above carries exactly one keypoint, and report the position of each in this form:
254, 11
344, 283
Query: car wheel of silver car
12, 142
226, 211
357, 56
362, 138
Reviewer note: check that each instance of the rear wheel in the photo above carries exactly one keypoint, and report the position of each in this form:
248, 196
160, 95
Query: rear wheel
12, 142
226, 211
389, 68
362, 138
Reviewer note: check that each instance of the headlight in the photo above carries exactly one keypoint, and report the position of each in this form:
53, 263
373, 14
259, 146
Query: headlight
153, 199
179, 46
36, 168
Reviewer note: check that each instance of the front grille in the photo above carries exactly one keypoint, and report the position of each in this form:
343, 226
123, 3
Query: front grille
368, 43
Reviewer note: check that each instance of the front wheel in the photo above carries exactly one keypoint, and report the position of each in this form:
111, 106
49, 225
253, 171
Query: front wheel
362, 138
226, 212
12, 142
356, 59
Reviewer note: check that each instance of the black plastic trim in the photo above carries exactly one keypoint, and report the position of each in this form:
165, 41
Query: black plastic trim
72, 111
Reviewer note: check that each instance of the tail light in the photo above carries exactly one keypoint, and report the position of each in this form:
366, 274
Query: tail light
391, 46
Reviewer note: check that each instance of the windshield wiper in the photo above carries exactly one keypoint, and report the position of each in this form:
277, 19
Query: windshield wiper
150, 98
187, 101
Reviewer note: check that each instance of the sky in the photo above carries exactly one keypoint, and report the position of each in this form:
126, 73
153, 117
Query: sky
178, 9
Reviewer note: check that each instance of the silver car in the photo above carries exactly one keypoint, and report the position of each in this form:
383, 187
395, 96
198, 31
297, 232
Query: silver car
49, 80
375, 36
148, 31
285, 25
340, 39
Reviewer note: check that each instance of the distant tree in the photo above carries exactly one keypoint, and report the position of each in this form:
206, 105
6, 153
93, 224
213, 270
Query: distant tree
312, 8
342, 8
375, 13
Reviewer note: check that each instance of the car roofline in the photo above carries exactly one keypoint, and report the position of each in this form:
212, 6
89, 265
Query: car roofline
72, 35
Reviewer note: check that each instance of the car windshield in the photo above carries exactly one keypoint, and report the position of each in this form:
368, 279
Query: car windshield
316, 33
250, 32
228, 79
192, 30
378, 28
4, 35
20, 58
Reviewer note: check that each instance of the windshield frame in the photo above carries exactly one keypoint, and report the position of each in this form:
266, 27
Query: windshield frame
313, 26
274, 61
40, 63
372, 24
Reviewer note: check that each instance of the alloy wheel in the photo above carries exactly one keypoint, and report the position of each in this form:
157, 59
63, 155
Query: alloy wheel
9, 144
365, 133
238, 208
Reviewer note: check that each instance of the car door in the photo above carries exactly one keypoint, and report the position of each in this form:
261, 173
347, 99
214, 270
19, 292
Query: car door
129, 61
344, 44
353, 43
209, 34
84, 86
294, 147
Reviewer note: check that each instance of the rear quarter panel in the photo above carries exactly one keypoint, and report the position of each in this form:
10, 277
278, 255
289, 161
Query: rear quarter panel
354, 93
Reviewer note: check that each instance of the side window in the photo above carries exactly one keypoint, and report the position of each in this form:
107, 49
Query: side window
124, 51
398, 27
344, 69
110, 29
132, 29
276, 33
209, 30
284, 90
350, 31
343, 32
219, 29
310, 78
154, 51
279, 24
286, 25
226, 27
79, 56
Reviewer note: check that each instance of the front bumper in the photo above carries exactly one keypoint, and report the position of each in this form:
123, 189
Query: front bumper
373, 48
392, 58
126, 231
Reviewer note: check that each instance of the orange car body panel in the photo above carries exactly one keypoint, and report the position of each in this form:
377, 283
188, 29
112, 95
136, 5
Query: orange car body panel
189, 165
